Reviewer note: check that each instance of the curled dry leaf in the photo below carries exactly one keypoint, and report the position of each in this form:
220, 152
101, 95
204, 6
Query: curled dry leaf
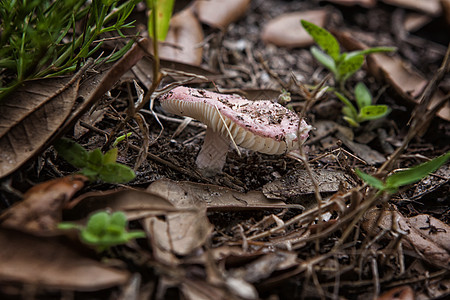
179, 233
30, 116
47, 263
220, 14
286, 30
134, 203
398, 293
363, 3
407, 83
428, 236
431, 7
265, 265
183, 39
41, 209
189, 194
369, 155
446, 9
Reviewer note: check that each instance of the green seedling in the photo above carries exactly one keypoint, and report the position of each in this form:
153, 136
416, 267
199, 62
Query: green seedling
404, 177
104, 230
366, 111
342, 65
121, 138
94, 164
162, 9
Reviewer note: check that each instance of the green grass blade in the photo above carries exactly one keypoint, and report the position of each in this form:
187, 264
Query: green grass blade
370, 180
416, 173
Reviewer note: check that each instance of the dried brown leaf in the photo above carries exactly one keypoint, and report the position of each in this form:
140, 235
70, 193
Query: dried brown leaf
369, 155
363, 3
446, 10
41, 209
286, 30
426, 235
415, 21
30, 116
135, 203
183, 39
398, 293
431, 7
179, 233
189, 194
265, 265
220, 14
47, 263
40, 111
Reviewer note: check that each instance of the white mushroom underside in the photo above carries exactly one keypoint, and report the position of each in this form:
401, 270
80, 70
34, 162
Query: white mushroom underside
210, 116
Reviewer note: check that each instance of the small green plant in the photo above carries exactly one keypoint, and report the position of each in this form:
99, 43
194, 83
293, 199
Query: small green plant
43, 38
342, 65
366, 111
121, 138
94, 164
404, 177
104, 230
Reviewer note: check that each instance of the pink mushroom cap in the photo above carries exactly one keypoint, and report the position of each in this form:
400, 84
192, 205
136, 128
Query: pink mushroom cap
261, 125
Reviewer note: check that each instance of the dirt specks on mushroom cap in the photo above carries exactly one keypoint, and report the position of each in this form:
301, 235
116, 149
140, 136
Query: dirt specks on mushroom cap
262, 125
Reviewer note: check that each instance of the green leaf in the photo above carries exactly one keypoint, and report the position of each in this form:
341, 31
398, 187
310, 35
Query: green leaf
72, 152
116, 173
97, 223
89, 237
324, 59
89, 173
95, 159
118, 218
323, 38
115, 230
362, 95
370, 180
416, 173
373, 112
162, 9
110, 156
348, 66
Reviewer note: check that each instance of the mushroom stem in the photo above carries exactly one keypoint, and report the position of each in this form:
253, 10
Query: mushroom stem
212, 156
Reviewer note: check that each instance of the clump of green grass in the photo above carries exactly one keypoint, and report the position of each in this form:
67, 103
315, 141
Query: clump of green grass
40, 38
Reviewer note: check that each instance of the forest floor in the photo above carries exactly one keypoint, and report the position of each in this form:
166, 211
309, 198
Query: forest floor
260, 229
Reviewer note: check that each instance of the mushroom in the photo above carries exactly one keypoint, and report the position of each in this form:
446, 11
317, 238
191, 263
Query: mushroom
261, 126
